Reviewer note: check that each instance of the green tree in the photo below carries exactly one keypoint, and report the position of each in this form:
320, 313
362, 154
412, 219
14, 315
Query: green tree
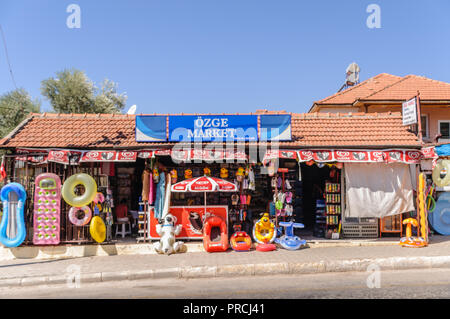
71, 91
14, 108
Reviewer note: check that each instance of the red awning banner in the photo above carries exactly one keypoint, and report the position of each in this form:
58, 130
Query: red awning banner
109, 156
369, 156
217, 155
284, 154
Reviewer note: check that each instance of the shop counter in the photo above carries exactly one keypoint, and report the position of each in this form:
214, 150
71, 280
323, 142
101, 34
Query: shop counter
191, 227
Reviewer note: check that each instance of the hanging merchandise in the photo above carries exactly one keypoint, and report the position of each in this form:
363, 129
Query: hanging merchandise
160, 194
206, 171
90, 190
251, 179
80, 216
223, 172
156, 175
47, 203
441, 173
151, 190
167, 231
188, 173
240, 174
97, 229
13, 196
145, 184
167, 196
173, 176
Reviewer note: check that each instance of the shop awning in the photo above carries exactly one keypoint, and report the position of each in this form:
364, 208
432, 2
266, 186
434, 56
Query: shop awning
196, 154
354, 155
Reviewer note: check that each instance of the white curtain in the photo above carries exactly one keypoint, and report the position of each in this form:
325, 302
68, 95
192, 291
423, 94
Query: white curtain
378, 190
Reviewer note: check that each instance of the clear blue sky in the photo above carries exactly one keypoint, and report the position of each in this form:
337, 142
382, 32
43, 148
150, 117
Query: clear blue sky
223, 55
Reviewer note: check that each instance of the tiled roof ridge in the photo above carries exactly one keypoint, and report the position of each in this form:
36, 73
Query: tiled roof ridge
357, 115
120, 115
388, 86
365, 82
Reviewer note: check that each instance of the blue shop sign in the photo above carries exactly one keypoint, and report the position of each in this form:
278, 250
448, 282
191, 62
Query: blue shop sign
209, 128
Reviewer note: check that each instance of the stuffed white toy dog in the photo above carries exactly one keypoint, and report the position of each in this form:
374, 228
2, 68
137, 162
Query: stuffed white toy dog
167, 230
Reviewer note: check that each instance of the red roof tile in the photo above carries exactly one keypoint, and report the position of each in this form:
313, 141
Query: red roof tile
312, 130
387, 87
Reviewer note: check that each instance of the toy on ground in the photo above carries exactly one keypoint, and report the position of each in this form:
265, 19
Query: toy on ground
80, 216
167, 230
264, 234
12, 227
289, 241
240, 241
97, 229
47, 211
212, 240
421, 223
68, 190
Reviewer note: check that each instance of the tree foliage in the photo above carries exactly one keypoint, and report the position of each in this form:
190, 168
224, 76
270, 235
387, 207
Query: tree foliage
71, 91
14, 108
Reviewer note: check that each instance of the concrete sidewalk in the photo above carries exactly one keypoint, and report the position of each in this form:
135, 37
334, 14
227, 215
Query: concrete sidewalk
315, 259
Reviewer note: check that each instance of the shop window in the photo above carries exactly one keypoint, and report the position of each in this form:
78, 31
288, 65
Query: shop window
444, 129
424, 119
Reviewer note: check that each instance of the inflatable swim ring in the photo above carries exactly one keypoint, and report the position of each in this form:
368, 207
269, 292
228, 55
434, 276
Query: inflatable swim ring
74, 213
441, 173
241, 241
289, 241
68, 190
9, 210
264, 230
97, 229
215, 244
266, 247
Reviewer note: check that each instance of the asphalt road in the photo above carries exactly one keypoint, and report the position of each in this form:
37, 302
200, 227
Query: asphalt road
409, 284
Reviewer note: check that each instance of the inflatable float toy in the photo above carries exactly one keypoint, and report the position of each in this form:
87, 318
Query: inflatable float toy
264, 230
241, 241
47, 209
74, 215
441, 173
223, 172
264, 234
13, 196
167, 231
97, 229
440, 218
213, 242
99, 198
68, 190
289, 241
421, 223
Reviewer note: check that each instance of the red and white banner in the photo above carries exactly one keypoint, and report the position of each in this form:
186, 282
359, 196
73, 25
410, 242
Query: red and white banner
109, 156
284, 154
204, 184
370, 156
217, 155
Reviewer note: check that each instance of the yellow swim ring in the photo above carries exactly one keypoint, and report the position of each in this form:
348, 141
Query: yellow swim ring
68, 190
264, 230
97, 228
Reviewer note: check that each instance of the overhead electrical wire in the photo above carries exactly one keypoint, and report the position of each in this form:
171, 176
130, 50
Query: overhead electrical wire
7, 56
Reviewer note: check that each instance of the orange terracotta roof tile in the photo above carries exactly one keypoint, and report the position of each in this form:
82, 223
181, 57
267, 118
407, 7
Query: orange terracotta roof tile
104, 131
387, 87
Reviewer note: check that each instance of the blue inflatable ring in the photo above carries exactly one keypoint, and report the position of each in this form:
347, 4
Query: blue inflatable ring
21, 230
439, 219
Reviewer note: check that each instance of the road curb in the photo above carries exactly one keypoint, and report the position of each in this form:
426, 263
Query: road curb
220, 271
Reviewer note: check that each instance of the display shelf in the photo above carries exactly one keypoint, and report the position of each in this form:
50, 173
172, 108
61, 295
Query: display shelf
333, 207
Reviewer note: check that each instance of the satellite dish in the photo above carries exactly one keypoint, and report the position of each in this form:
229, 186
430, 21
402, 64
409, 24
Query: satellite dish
132, 110
352, 73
